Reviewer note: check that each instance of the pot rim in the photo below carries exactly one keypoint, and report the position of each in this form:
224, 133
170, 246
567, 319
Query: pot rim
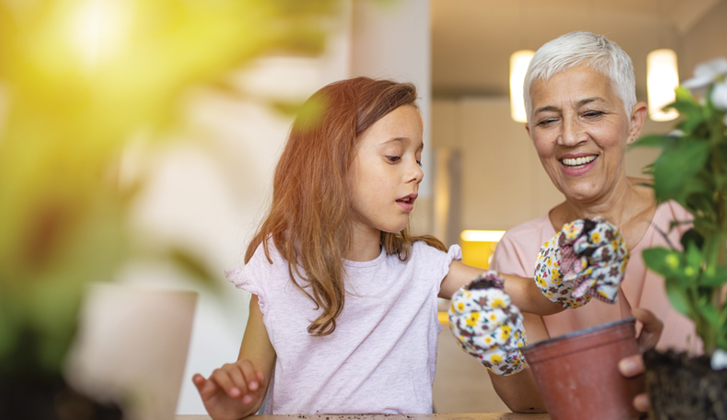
577, 333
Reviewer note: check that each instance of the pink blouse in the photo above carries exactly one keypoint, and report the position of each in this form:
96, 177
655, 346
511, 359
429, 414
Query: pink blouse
517, 251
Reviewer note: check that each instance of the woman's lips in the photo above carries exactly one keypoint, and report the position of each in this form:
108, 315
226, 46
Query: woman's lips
578, 165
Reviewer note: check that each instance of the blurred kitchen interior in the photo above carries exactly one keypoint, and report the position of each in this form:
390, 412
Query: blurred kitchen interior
482, 173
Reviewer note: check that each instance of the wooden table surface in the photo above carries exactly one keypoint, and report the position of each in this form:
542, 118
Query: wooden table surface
468, 416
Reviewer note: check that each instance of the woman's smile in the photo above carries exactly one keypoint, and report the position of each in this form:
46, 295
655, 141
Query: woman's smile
575, 165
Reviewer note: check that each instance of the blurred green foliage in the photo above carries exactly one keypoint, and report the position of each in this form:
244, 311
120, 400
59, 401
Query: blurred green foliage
692, 170
78, 78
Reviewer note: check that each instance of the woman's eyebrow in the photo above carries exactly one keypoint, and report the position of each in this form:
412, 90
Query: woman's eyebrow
589, 100
579, 103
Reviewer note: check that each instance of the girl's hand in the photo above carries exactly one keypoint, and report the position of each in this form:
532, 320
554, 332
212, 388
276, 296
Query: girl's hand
234, 391
488, 325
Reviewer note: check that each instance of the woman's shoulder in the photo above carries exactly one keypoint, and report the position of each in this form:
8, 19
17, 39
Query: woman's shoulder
538, 228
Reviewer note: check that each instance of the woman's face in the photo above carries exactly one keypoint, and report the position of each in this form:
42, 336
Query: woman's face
580, 130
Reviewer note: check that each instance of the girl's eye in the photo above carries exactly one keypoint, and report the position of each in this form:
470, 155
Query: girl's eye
419, 163
393, 159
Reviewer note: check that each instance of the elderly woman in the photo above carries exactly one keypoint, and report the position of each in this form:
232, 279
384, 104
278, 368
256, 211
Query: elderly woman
582, 113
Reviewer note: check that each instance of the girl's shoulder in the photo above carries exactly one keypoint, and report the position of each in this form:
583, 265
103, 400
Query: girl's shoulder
264, 264
422, 251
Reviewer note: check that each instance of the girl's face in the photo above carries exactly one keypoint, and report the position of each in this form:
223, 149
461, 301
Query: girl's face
580, 130
385, 175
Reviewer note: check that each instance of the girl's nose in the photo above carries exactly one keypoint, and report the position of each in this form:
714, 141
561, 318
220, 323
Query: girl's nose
416, 173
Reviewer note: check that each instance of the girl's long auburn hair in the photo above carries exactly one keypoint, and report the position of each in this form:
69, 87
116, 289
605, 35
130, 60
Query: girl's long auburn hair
310, 219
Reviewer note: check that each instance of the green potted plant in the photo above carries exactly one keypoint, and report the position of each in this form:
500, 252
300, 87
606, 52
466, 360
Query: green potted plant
79, 80
692, 170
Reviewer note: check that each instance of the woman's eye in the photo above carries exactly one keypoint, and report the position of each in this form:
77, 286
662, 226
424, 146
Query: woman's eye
593, 114
393, 159
419, 163
546, 122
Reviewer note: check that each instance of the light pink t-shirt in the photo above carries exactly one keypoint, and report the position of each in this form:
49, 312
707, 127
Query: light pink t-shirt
382, 356
517, 251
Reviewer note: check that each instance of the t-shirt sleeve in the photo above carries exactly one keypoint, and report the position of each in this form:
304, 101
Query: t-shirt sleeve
508, 258
256, 275
436, 262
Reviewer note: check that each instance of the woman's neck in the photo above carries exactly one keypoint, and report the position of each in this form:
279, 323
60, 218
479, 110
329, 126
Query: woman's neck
630, 206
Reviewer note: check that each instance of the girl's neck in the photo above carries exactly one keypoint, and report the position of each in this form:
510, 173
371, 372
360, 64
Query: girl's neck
366, 244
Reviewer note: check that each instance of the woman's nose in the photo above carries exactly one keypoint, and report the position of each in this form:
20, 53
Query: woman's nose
572, 133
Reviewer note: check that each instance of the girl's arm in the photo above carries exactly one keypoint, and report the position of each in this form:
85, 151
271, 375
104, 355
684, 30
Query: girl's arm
520, 392
237, 390
524, 292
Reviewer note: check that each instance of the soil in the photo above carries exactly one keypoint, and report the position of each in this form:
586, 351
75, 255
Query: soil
682, 387
44, 398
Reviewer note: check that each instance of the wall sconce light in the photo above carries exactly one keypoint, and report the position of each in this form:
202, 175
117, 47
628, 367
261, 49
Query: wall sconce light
519, 62
661, 80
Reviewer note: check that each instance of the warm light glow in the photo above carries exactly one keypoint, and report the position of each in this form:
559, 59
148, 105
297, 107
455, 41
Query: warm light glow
478, 246
482, 235
519, 62
662, 78
99, 28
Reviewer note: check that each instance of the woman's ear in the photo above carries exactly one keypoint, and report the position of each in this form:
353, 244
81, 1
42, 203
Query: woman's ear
638, 117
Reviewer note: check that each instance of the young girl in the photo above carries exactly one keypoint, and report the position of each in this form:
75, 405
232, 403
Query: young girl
343, 317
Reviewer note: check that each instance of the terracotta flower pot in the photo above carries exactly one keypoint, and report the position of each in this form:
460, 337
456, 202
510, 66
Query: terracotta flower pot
577, 373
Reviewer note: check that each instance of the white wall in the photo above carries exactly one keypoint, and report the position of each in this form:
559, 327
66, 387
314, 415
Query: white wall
392, 40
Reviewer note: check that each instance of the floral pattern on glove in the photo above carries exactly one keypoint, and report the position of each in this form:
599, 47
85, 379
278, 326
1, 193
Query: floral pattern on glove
586, 259
487, 325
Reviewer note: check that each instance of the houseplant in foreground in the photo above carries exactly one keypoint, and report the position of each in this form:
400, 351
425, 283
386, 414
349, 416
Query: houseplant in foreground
692, 170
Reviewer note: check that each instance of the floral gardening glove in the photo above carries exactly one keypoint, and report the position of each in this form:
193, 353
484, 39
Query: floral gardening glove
586, 259
487, 325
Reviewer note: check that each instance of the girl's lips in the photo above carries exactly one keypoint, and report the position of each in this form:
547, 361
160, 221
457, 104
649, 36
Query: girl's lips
407, 203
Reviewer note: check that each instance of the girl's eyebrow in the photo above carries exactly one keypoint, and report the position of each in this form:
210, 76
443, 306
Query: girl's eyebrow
403, 140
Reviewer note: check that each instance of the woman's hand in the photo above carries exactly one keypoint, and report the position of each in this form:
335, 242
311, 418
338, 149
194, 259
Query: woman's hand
234, 391
634, 365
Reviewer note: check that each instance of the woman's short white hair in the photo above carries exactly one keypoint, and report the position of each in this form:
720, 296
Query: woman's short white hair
578, 48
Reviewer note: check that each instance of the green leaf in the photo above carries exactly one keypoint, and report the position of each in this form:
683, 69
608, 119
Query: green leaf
655, 140
662, 260
709, 313
677, 296
674, 170
692, 237
689, 109
192, 265
694, 256
713, 277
